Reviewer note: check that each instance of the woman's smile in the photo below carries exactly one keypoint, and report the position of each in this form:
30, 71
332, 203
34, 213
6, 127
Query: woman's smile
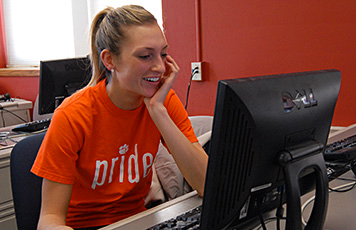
152, 79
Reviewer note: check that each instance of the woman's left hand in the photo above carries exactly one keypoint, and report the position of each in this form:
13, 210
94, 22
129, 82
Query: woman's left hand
190, 157
167, 82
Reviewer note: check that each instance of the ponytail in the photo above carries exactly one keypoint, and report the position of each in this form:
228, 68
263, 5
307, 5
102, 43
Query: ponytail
108, 32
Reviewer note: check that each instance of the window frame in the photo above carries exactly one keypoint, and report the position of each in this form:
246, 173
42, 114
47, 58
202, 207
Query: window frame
80, 28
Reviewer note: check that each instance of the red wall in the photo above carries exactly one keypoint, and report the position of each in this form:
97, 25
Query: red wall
248, 38
20, 87
2, 39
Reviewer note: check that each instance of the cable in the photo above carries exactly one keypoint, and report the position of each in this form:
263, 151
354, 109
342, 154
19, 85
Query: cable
267, 221
352, 186
4, 140
345, 179
9, 111
279, 213
336, 189
280, 209
259, 203
194, 71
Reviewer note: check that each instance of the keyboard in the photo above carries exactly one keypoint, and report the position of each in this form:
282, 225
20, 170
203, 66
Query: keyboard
33, 126
189, 220
343, 150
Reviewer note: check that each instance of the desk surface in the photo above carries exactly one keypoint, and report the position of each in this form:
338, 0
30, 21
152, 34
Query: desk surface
159, 213
340, 213
8, 138
339, 216
341, 206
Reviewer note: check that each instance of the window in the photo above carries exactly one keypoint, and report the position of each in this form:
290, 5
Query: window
53, 29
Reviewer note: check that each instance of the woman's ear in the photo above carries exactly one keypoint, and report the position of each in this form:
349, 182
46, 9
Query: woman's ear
107, 58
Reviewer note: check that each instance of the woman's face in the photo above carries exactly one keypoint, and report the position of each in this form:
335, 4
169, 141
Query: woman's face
139, 68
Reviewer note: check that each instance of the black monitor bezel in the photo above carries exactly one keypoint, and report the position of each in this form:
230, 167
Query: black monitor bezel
59, 79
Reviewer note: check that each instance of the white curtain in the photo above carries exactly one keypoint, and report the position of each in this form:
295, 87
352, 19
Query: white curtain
54, 29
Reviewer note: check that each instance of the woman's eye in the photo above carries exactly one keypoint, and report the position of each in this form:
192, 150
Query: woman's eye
144, 57
164, 55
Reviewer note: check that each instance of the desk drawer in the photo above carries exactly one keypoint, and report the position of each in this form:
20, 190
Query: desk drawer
5, 182
8, 223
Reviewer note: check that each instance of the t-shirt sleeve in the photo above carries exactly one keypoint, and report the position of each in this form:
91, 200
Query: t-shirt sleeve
179, 116
56, 159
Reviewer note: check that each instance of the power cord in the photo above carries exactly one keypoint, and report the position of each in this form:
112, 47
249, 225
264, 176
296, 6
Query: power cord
262, 221
12, 113
340, 188
194, 71
280, 209
279, 213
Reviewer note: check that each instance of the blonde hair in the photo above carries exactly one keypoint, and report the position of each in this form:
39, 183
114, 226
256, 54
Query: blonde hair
108, 32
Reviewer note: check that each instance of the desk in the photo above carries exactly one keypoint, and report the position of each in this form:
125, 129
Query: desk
172, 208
7, 213
340, 213
340, 209
15, 111
159, 213
341, 206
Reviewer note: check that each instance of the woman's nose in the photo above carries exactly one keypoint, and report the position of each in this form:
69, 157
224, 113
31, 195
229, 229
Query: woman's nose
159, 65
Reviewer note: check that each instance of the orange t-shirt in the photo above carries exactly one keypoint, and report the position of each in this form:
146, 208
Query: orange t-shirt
105, 152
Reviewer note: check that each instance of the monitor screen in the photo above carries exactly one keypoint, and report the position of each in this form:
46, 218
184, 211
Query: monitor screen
60, 79
259, 122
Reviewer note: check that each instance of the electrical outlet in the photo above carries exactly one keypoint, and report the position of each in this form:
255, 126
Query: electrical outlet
198, 75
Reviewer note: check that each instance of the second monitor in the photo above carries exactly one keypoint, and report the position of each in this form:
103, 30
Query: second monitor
60, 79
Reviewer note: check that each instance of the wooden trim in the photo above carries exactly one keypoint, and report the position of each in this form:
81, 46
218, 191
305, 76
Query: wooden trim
19, 72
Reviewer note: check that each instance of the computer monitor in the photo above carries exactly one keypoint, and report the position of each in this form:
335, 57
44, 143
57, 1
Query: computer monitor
269, 134
60, 79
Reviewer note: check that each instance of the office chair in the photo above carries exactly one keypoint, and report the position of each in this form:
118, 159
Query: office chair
26, 186
36, 116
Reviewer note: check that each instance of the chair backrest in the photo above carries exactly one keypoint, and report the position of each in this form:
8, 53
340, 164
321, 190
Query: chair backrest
26, 186
36, 116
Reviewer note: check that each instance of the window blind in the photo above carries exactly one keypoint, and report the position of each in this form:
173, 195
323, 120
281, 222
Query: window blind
54, 29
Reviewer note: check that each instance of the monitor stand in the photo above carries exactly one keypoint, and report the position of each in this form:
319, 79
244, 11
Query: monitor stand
294, 163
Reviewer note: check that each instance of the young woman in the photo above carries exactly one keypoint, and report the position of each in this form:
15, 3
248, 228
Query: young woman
97, 155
